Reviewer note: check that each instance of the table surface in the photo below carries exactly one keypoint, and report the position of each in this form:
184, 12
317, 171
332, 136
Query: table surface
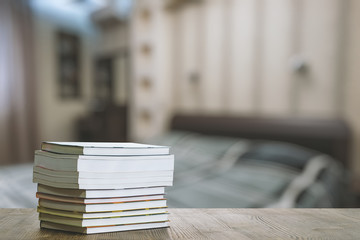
224, 223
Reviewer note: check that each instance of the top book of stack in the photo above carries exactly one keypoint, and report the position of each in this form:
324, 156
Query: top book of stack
104, 148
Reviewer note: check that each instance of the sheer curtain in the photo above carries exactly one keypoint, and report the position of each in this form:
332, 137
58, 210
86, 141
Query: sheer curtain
17, 83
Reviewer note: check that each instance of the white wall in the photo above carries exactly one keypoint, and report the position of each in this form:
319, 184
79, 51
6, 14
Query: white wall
352, 78
56, 116
243, 52
151, 85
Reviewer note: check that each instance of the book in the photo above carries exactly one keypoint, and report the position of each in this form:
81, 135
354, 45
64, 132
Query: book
104, 229
98, 200
103, 207
104, 148
93, 187
102, 186
66, 162
104, 175
99, 193
99, 181
96, 222
82, 215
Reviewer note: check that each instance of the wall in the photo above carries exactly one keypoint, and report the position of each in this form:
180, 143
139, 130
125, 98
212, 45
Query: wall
352, 78
245, 57
243, 54
151, 85
56, 116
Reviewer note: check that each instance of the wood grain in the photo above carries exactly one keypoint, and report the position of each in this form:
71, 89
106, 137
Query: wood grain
209, 224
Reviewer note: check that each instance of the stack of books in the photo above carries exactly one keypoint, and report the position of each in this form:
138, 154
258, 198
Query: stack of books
102, 187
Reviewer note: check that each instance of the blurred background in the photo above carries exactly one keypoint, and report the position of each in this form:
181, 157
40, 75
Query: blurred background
120, 70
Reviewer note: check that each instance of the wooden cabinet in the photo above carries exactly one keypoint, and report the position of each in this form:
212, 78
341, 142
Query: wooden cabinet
108, 125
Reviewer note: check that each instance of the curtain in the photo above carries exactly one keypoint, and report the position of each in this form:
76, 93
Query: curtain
17, 83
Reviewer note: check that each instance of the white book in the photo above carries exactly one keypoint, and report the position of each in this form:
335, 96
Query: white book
103, 207
100, 193
98, 200
90, 215
65, 162
101, 186
96, 222
99, 181
105, 175
104, 148
92, 230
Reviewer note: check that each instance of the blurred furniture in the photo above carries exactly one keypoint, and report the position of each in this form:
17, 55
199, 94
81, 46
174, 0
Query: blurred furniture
104, 78
236, 164
330, 136
108, 113
68, 47
209, 224
232, 161
107, 124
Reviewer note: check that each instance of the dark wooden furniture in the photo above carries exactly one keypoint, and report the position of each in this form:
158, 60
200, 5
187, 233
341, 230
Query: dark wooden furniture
107, 119
209, 224
106, 125
331, 136
68, 47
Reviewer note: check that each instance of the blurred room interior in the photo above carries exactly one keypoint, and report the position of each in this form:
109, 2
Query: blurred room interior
131, 70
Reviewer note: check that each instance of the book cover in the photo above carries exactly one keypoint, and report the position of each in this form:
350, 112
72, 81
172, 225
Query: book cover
101, 186
101, 175
100, 193
103, 229
102, 164
122, 213
98, 200
104, 148
96, 222
103, 207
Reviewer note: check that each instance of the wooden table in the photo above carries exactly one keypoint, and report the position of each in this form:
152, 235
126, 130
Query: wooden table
209, 224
